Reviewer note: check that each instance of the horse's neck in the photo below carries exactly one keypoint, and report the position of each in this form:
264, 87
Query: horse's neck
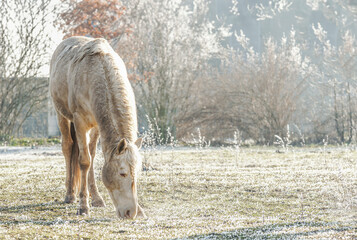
115, 106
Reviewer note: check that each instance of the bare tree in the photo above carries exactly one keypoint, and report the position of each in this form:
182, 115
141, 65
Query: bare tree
338, 63
23, 51
174, 41
257, 93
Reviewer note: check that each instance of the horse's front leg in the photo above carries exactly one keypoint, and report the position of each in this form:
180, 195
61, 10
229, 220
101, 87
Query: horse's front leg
97, 200
84, 162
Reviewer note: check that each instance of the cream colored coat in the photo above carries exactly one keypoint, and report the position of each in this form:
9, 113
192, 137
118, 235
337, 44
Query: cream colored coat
93, 96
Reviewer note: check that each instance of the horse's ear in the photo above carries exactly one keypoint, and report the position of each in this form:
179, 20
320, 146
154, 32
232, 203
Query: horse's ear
138, 142
122, 145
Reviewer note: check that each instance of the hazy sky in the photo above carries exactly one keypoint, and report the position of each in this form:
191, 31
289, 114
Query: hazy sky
55, 38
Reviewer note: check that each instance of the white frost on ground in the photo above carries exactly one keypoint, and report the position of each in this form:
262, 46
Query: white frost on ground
32, 153
191, 194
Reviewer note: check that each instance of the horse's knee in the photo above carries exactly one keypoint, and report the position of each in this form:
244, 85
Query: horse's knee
84, 162
84, 165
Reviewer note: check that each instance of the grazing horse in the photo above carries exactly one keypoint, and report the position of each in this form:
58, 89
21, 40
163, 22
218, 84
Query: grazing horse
93, 97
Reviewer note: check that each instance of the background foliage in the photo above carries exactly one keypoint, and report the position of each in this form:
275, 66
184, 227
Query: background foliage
216, 67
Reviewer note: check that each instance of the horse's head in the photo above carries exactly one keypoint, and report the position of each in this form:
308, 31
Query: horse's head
119, 176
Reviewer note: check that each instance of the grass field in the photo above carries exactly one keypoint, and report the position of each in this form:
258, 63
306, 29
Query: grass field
252, 193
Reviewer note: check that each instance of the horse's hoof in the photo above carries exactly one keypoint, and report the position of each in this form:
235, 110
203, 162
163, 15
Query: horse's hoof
83, 211
70, 199
98, 202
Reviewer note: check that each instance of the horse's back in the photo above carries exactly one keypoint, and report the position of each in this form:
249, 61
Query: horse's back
67, 71
64, 54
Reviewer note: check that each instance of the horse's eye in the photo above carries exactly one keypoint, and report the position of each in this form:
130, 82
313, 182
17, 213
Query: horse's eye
123, 174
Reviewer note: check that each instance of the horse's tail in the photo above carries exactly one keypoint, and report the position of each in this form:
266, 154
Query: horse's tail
75, 169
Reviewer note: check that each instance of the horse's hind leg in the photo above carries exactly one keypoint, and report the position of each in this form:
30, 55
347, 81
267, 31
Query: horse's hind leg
97, 200
67, 145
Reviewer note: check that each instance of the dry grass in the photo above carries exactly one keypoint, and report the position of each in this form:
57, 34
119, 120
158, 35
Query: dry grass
206, 194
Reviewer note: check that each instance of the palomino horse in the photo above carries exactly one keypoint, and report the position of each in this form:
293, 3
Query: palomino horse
92, 96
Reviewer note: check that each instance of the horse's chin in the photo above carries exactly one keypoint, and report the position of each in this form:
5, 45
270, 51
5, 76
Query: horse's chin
140, 214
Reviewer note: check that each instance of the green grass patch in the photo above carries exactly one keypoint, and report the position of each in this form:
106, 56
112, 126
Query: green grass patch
30, 142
